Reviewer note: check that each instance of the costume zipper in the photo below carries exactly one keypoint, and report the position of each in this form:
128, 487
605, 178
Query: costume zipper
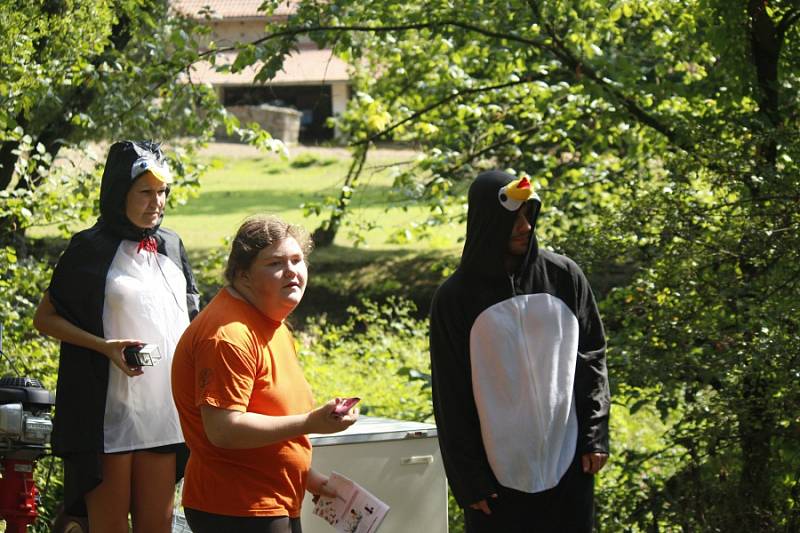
513, 288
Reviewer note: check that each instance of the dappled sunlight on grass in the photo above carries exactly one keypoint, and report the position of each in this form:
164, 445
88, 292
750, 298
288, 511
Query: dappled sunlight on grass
235, 188
240, 182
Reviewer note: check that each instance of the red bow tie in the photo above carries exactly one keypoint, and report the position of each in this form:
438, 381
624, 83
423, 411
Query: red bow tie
148, 244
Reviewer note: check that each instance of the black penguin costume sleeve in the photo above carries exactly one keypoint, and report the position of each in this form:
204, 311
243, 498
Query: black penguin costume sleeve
591, 374
171, 245
77, 291
458, 428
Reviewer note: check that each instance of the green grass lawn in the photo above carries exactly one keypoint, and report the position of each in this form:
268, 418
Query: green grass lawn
234, 188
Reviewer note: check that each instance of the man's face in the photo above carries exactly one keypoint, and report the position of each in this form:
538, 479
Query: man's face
521, 232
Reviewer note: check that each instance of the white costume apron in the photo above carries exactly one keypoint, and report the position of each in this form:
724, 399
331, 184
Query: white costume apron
146, 300
523, 355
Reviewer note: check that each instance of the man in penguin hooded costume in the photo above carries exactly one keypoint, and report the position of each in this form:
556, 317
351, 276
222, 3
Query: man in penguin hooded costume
125, 281
520, 387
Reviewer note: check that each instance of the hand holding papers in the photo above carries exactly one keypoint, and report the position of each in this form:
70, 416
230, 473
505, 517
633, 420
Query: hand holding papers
355, 510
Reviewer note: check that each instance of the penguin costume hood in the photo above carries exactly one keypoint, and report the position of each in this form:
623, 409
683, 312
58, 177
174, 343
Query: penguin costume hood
127, 160
77, 291
517, 358
494, 199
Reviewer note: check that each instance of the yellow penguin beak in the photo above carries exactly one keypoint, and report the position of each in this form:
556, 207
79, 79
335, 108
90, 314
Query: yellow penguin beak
520, 189
515, 193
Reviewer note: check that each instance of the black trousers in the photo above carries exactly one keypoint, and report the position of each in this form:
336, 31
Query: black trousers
202, 522
566, 508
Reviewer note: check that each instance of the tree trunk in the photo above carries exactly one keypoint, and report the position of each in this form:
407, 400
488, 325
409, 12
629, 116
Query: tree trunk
325, 234
756, 422
756, 428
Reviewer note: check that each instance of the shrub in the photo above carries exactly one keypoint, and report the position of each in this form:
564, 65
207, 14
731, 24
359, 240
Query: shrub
28, 353
379, 353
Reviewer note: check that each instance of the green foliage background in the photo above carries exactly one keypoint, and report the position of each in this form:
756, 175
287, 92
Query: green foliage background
662, 136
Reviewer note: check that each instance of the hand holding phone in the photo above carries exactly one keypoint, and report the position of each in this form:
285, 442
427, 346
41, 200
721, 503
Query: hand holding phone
344, 406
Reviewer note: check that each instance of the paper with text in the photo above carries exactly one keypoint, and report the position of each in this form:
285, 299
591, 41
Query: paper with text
355, 510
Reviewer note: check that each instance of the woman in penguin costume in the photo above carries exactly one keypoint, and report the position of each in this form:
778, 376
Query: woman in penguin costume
124, 282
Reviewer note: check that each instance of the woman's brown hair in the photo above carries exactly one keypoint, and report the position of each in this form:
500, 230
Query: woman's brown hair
259, 232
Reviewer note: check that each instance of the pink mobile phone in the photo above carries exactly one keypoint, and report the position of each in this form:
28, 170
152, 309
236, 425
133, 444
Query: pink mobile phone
345, 405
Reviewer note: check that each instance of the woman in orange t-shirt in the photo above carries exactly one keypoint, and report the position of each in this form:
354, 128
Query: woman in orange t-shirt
244, 405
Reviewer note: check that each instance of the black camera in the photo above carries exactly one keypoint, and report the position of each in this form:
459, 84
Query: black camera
142, 355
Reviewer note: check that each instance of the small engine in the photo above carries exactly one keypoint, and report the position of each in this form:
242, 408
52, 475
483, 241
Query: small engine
25, 420
25, 428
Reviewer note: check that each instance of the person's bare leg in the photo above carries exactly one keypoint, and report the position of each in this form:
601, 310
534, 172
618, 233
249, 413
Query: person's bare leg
152, 492
109, 502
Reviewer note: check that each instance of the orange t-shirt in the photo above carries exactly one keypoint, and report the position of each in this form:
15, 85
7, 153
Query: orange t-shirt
233, 357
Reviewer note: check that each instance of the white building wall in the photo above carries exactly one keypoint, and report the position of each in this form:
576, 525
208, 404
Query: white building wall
339, 93
227, 32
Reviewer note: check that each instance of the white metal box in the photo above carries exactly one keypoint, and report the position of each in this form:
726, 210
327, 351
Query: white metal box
397, 461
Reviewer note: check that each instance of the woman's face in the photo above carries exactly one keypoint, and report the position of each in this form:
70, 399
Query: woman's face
145, 201
277, 277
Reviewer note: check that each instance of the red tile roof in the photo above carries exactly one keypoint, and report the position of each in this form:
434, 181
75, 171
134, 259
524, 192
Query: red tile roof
307, 66
237, 9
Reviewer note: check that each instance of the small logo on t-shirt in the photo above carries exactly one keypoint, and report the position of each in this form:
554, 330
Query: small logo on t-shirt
205, 378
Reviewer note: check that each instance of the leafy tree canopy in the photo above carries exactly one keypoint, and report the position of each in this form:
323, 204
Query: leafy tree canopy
75, 71
662, 136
